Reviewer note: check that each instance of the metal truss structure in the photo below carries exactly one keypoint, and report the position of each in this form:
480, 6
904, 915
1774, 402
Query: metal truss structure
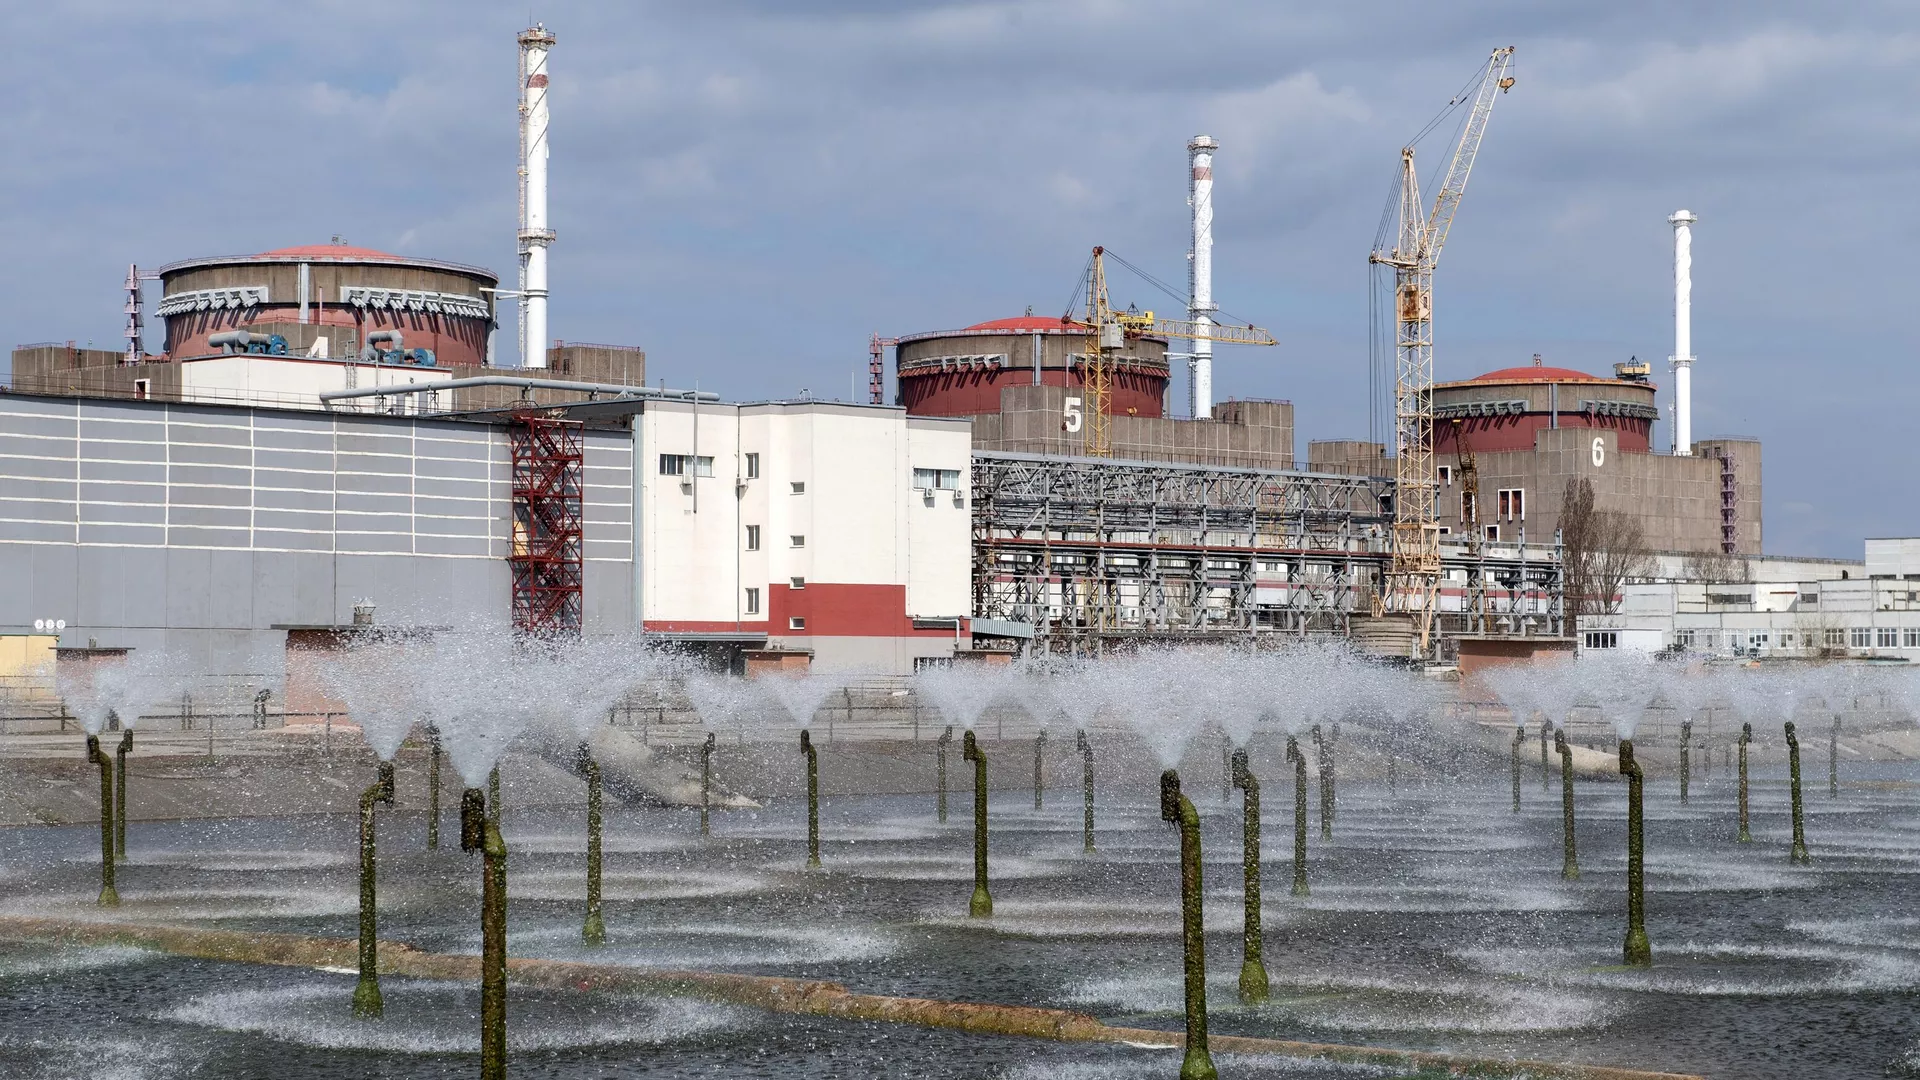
547, 502
1091, 552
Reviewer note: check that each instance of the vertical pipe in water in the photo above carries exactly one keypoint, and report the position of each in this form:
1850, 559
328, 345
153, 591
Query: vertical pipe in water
1686, 757
594, 930
1569, 864
1746, 736
1326, 784
1086, 786
1546, 771
706, 785
1253, 969
813, 797
433, 788
1798, 853
1638, 951
1177, 810
493, 955
1039, 768
367, 1002
1833, 762
1519, 740
1299, 815
109, 896
120, 794
981, 906
940, 751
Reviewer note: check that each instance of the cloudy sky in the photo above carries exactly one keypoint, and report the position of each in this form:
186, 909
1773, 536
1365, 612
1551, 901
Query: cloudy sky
749, 188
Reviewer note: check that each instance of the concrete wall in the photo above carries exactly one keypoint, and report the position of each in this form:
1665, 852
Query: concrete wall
1034, 420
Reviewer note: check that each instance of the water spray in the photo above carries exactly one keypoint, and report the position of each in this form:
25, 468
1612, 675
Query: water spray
940, 751
1519, 740
1253, 970
1039, 768
120, 794
367, 1002
706, 785
1746, 736
1638, 951
1686, 757
813, 797
1086, 784
981, 906
1177, 810
433, 788
1570, 864
594, 930
1299, 815
1798, 854
109, 896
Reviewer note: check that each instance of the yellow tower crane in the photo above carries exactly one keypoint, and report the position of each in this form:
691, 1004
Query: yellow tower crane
1414, 577
1107, 334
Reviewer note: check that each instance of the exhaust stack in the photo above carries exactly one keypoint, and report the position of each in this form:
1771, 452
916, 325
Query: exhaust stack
1682, 359
535, 236
1200, 305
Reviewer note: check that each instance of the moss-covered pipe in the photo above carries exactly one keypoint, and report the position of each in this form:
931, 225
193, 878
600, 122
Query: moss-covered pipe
1086, 786
1570, 864
1393, 775
940, 751
1832, 761
120, 794
1798, 853
706, 786
109, 896
813, 797
493, 795
1326, 784
1253, 969
1519, 740
1546, 771
1299, 815
473, 815
1039, 769
367, 1002
1176, 809
1746, 736
1686, 758
1638, 951
594, 930
493, 955
433, 788
981, 906
1226, 772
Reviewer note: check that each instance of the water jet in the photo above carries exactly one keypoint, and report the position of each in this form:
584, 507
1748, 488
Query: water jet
1798, 853
1253, 969
1177, 810
1638, 951
813, 797
981, 906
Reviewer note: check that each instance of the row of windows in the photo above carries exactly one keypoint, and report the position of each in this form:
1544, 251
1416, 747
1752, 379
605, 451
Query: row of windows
1510, 504
1857, 637
690, 465
797, 540
795, 622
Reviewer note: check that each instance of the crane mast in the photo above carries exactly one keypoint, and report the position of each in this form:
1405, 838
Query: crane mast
1414, 576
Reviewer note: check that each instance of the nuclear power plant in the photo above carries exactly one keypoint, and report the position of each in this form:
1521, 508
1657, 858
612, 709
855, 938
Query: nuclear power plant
326, 427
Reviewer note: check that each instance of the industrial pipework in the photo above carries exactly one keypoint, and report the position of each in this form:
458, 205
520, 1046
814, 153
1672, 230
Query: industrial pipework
1253, 969
1638, 952
981, 906
109, 896
813, 797
1682, 359
1177, 810
1200, 306
534, 235
1798, 853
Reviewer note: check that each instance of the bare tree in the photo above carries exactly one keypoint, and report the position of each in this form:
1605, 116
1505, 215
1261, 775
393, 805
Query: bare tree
1715, 568
1601, 550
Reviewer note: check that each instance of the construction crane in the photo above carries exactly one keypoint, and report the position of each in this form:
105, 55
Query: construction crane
1414, 577
1107, 334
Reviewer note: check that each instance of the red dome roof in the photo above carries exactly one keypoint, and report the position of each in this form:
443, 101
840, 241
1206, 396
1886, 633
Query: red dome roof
1532, 373
328, 251
1030, 323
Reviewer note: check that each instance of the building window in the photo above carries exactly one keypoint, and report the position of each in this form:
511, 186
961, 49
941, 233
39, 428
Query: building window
685, 464
1603, 639
143, 389
1444, 531
1887, 637
937, 479
753, 466
799, 487
1446, 475
1469, 511
753, 601
796, 623
1787, 640
1860, 637
799, 582
1912, 635
753, 538
1493, 533
1836, 638
796, 540
1513, 504
1758, 641
1683, 639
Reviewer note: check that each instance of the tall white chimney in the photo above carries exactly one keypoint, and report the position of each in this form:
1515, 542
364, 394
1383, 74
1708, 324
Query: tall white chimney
1682, 222
1200, 305
534, 233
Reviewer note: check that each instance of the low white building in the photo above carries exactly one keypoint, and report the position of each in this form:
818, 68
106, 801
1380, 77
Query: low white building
1868, 610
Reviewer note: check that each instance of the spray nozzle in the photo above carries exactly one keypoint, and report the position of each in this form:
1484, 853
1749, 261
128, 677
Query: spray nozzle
93, 749
1042, 737
1080, 743
1560, 741
1170, 797
1746, 733
806, 741
1792, 739
707, 747
969, 747
946, 736
1628, 767
386, 782
1293, 748
1240, 773
126, 740
473, 819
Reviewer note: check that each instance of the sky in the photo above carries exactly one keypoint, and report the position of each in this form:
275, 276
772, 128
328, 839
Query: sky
749, 188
